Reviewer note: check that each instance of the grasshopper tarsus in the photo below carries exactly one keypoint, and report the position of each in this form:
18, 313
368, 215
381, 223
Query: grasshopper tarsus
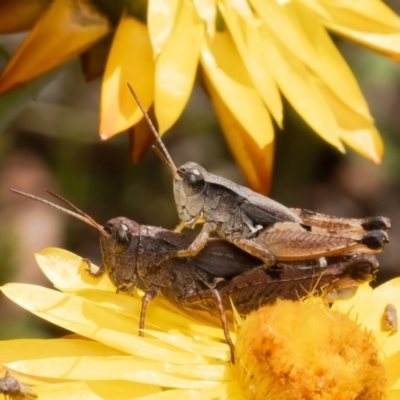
179, 227
89, 270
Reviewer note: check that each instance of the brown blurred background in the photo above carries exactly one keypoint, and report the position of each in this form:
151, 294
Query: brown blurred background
49, 140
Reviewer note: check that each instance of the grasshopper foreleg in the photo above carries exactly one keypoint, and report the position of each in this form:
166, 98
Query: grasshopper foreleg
95, 274
149, 295
198, 244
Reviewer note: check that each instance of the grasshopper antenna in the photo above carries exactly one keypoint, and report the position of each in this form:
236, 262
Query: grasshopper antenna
163, 155
78, 214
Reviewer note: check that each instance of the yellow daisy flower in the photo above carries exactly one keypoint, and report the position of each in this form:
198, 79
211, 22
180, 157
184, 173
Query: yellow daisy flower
338, 352
246, 54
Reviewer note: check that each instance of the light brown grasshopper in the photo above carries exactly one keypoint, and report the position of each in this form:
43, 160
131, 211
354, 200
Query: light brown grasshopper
259, 225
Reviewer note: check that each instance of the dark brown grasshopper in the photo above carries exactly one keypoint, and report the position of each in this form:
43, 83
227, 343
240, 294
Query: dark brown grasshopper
134, 253
258, 224
13, 389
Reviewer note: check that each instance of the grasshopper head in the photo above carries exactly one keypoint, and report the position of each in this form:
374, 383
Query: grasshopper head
119, 247
119, 242
193, 178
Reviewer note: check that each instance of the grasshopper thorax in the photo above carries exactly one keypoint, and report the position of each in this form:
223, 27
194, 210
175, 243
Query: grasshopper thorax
193, 178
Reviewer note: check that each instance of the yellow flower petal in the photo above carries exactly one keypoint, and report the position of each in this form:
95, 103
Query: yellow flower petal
207, 10
242, 7
96, 322
372, 9
297, 34
248, 43
392, 365
161, 16
208, 372
67, 271
366, 141
279, 19
118, 109
27, 380
206, 347
111, 368
389, 343
65, 30
302, 92
91, 390
356, 131
160, 315
226, 391
255, 162
176, 66
368, 305
327, 63
227, 74
317, 7
31, 349
393, 395
20, 15
371, 23
353, 304
65, 391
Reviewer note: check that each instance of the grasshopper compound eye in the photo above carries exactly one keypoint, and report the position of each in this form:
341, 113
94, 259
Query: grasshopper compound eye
122, 235
192, 177
195, 176
118, 230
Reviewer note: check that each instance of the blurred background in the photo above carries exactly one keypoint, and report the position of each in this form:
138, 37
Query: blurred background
50, 140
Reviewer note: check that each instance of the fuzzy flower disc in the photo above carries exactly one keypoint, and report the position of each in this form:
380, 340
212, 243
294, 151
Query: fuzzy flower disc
303, 350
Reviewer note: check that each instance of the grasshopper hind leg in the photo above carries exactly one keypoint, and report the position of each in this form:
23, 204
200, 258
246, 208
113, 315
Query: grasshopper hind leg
256, 250
214, 296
